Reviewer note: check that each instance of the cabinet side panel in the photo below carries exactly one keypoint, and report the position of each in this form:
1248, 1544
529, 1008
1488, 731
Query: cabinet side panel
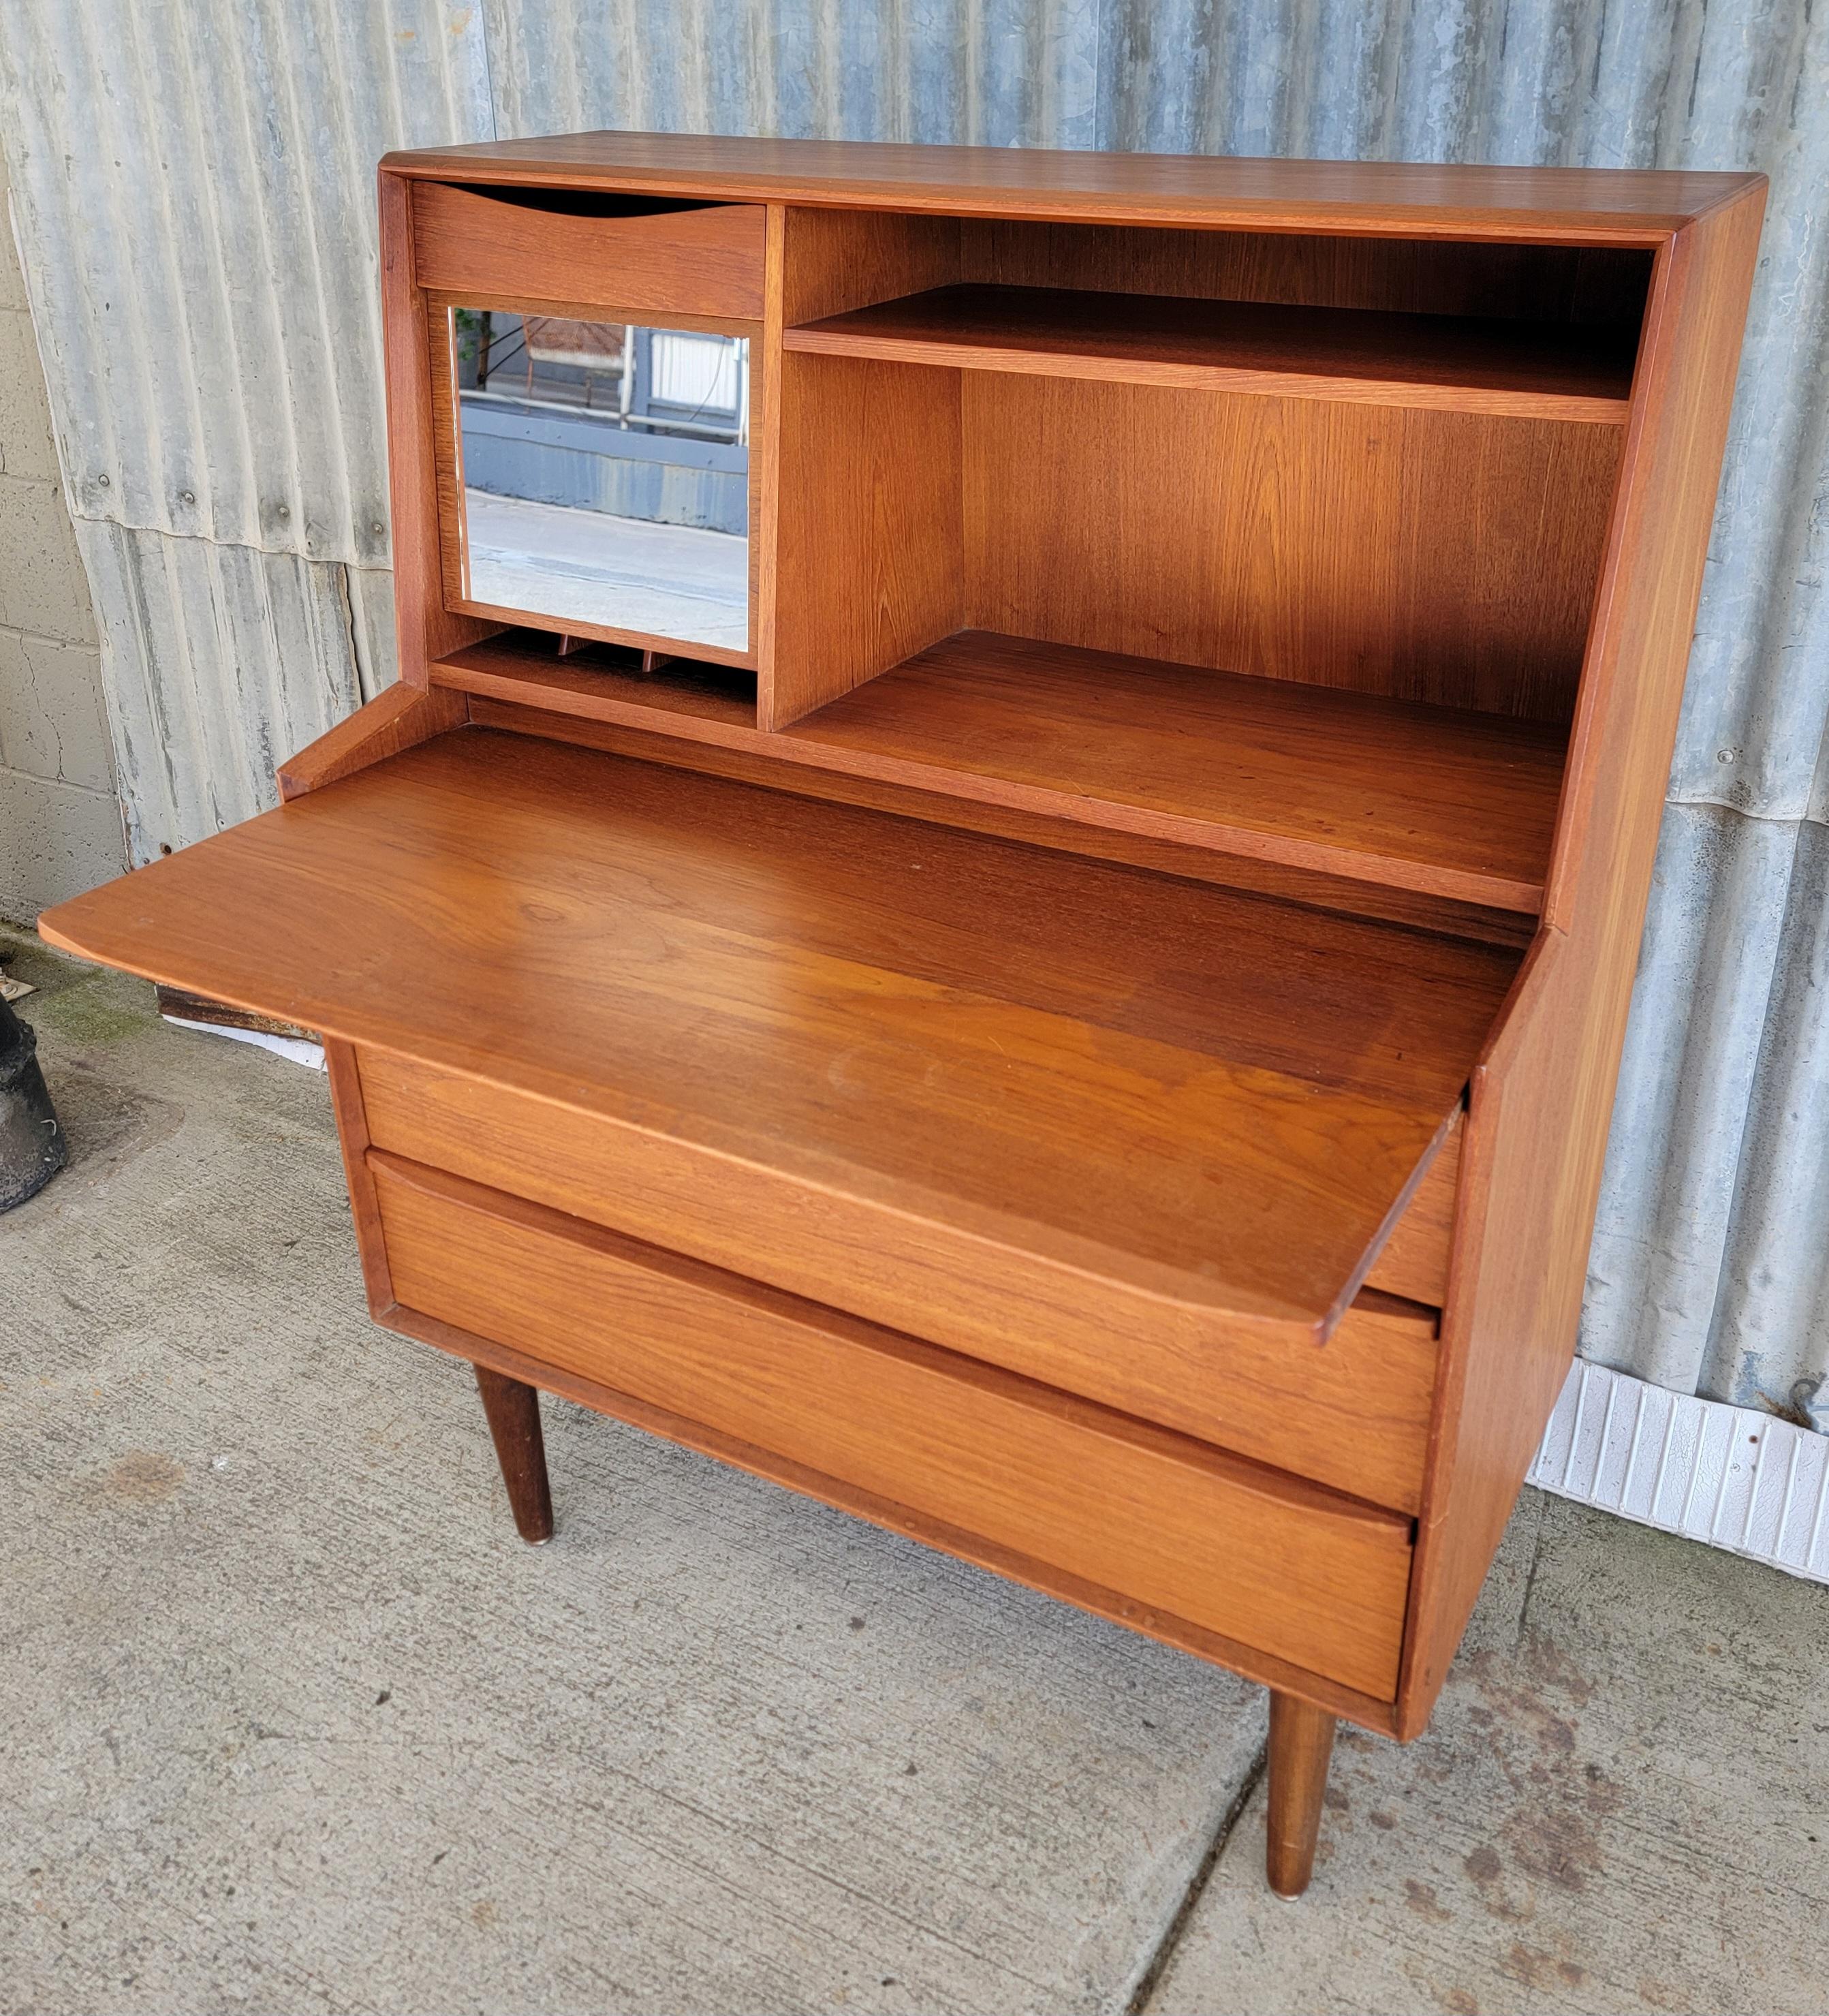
1448, 557
425, 629
1541, 1100
402, 718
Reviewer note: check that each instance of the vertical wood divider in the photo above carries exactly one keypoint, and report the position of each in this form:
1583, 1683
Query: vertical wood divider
424, 627
765, 466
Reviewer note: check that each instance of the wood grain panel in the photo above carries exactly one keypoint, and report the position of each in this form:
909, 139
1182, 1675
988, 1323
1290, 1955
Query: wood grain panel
1353, 1413
1377, 199
400, 717
835, 259
1414, 1260
1533, 370
666, 726
704, 261
425, 629
1314, 1580
1423, 802
352, 1138
1453, 804
1535, 283
1445, 557
867, 564
864, 560
1541, 1102
1251, 1661
1125, 1089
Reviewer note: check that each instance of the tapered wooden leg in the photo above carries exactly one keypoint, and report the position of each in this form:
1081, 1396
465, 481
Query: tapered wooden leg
513, 1410
1302, 1742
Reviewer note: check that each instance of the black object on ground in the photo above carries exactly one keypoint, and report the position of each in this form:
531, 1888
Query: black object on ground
31, 1142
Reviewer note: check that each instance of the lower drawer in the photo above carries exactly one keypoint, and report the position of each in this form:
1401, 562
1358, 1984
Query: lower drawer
1154, 1516
1353, 1413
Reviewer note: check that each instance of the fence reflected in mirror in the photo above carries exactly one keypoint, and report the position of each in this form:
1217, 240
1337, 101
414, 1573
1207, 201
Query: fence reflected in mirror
603, 473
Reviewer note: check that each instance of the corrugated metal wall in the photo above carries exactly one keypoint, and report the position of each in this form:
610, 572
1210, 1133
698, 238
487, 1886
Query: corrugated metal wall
193, 190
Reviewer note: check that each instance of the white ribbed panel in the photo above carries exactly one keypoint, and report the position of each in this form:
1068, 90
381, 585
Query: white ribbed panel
1746, 1481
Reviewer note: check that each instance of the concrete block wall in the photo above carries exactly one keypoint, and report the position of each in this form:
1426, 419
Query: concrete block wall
60, 824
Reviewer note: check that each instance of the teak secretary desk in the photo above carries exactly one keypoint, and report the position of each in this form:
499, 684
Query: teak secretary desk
1004, 876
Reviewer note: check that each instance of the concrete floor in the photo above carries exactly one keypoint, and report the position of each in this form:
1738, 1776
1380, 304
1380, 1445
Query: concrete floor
293, 1721
592, 566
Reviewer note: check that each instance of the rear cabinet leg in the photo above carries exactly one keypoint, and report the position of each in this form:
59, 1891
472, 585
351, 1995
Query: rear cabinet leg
513, 1410
1302, 1742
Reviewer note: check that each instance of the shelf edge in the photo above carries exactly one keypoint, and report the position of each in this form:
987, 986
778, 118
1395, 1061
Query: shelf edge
1485, 888
944, 353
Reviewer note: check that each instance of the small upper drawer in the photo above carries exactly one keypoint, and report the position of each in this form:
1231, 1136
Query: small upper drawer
636, 256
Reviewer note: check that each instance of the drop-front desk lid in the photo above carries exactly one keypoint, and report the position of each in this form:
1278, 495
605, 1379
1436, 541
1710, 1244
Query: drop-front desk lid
1215, 1099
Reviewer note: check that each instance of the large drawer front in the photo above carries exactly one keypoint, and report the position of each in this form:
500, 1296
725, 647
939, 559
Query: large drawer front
1150, 1515
500, 252
1353, 1413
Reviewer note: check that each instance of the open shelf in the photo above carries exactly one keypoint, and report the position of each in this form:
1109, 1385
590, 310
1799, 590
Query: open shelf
602, 683
1440, 801
1545, 371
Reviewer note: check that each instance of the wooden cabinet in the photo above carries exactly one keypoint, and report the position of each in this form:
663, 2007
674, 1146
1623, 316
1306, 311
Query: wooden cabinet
1083, 1029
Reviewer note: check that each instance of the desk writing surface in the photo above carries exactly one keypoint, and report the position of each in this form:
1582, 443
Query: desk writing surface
1216, 1096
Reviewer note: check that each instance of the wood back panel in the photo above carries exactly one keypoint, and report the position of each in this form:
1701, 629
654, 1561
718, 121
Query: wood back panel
1411, 275
1440, 556
1313, 1579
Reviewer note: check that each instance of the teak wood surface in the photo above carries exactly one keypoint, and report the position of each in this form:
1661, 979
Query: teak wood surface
1542, 1096
629, 717
1063, 992
1350, 354
1355, 1415
671, 262
1434, 801
1402, 198
1312, 1577
1188, 1122
1444, 801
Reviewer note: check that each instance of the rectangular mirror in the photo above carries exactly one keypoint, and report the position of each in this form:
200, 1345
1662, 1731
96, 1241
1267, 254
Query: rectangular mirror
604, 469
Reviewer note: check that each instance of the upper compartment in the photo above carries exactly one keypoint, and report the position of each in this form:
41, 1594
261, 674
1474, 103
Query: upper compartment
1385, 465
1270, 545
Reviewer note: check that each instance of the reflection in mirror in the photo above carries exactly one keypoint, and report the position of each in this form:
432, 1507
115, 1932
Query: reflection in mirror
605, 475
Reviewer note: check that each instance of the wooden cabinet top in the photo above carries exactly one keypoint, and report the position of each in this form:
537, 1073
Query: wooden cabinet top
1405, 198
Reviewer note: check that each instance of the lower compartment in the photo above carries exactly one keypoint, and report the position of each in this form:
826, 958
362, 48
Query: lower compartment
1250, 1554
